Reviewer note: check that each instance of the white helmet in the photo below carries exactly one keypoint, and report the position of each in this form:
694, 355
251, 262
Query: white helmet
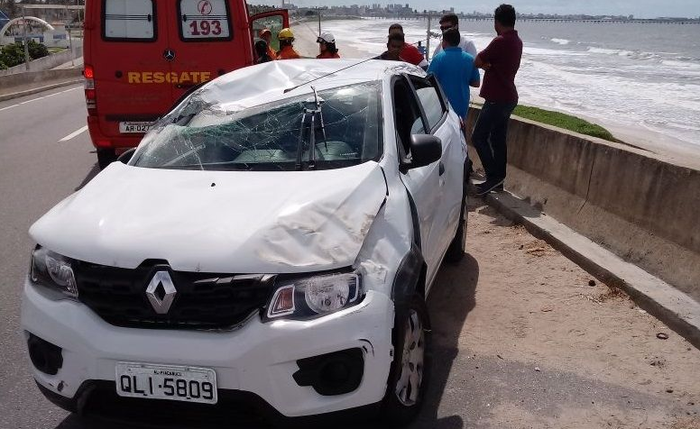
326, 37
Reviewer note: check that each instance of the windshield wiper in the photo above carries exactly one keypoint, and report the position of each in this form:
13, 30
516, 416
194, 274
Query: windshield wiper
313, 111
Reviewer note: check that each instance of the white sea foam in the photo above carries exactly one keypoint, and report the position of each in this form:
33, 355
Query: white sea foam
560, 41
621, 88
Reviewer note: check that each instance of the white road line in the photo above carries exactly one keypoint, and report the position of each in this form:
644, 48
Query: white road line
38, 98
73, 134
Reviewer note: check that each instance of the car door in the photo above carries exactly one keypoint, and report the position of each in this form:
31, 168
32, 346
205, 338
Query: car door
422, 183
451, 167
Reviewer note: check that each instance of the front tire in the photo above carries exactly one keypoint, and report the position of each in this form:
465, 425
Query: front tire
105, 157
410, 371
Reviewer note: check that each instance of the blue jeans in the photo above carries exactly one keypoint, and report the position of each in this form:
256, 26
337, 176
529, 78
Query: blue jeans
489, 138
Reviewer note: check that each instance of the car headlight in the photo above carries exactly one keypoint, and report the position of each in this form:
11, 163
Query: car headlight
54, 271
309, 297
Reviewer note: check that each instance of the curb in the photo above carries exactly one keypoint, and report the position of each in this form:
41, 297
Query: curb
671, 306
39, 89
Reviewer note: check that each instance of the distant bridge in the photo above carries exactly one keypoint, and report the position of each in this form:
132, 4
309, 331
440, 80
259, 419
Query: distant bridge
520, 19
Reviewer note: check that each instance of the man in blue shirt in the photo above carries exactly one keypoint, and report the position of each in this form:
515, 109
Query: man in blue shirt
455, 71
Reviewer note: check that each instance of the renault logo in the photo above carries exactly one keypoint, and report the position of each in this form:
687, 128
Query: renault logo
161, 292
169, 54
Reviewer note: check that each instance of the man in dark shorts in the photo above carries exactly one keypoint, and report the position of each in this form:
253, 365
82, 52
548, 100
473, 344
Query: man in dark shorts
501, 61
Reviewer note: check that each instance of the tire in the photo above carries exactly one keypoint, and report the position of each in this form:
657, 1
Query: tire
410, 371
105, 157
455, 252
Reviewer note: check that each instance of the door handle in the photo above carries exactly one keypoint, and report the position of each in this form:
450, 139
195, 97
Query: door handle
441, 168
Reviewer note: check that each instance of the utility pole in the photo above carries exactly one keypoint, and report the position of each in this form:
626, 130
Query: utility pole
26, 42
427, 43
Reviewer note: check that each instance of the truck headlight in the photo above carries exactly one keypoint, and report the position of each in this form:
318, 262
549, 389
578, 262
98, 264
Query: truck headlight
54, 271
309, 297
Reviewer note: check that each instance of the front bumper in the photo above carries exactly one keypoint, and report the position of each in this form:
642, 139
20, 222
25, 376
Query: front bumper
259, 358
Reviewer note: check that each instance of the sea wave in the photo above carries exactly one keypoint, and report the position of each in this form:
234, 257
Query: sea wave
561, 41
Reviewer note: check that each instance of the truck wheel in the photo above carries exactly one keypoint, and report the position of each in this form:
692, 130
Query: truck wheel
410, 371
455, 252
105, 157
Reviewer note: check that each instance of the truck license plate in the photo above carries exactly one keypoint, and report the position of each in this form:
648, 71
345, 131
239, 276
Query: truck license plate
134, 127
177, 383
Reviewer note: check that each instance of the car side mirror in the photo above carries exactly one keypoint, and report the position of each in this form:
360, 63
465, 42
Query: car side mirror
425, 149
125, 157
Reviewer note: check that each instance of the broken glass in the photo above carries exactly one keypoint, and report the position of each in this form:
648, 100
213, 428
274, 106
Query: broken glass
203, 136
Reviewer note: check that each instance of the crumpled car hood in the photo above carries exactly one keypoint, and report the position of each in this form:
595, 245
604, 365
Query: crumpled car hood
221, 222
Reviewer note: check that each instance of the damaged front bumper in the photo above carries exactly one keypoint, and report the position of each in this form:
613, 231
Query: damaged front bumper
275, 360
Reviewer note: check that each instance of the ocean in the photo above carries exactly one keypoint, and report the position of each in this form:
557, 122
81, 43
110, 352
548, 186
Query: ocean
642, 80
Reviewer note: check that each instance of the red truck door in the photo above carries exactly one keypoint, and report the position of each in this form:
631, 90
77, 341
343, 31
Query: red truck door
211, 39
274, 21
128, 54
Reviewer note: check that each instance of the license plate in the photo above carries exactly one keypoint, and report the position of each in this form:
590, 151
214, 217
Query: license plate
177, 383
134, 127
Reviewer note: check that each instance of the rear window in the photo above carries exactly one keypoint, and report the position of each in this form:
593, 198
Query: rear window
129, 20
204, 20
284, 135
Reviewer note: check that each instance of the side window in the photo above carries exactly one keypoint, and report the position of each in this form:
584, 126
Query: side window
431, 102
274, 23
129, 20
407, 115
204, 20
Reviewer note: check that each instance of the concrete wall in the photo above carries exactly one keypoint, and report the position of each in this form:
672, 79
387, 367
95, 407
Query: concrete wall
45, 63
641, 207
39, 77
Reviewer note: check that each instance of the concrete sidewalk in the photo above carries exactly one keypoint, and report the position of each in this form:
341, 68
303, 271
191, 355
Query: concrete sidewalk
34, 82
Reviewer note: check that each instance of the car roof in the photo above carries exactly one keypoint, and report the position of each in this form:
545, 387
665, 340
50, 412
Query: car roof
267, 82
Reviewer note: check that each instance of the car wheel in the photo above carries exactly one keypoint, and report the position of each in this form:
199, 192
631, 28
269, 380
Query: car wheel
409, 375
105, 157
455, 252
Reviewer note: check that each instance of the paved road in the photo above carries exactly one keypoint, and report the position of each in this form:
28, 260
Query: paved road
38, 168
521, 339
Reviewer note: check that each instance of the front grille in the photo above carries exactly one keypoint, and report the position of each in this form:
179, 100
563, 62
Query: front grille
203, 300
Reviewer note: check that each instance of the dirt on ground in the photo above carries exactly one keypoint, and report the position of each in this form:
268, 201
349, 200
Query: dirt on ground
524, 338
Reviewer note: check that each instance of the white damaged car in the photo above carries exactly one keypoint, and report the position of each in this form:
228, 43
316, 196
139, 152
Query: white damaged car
271, 241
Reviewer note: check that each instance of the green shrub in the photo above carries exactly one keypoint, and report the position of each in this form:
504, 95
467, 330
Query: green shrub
37, 50
13, 54
565, 121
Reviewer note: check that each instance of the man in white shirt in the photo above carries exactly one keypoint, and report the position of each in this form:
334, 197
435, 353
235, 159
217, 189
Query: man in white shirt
448, 21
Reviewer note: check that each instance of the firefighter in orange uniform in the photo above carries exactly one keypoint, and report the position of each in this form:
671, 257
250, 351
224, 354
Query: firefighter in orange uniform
287, 51
266, 35
326, 46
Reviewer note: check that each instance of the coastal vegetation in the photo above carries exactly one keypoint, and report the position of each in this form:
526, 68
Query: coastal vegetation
564, 121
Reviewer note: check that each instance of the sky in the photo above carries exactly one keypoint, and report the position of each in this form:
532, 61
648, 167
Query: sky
638, 8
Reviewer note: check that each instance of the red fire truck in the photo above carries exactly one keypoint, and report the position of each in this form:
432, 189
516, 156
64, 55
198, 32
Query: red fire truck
141, 56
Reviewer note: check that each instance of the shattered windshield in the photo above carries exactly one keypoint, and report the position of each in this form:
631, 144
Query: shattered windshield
343, 124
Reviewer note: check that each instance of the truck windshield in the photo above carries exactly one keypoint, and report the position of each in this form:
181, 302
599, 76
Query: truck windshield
269, 137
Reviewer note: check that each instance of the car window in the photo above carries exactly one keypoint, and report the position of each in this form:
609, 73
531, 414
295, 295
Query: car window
432, 106
407, 114
199, 134
204, 20
129, 20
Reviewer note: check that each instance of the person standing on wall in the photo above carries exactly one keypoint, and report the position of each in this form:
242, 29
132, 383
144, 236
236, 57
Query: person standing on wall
326, 46
450, 20
501, 61
287, 52
455, 71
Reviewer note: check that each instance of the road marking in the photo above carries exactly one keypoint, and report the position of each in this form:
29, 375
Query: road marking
73, 134
38, 98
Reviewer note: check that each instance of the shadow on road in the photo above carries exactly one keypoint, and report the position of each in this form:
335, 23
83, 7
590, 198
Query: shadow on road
92, 173
451, 299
